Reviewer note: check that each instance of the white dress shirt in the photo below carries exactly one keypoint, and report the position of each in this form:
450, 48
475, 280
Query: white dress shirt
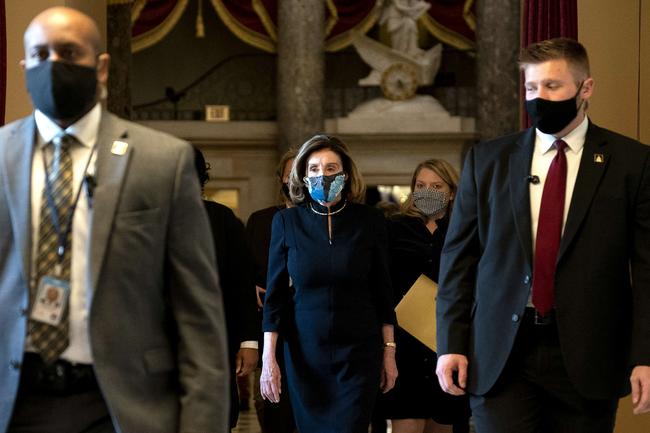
543, 155
85, 130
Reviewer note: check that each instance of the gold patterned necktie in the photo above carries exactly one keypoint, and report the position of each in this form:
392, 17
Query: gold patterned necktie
48, 340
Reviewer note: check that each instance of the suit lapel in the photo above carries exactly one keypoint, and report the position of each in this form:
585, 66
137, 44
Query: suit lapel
110, 172
593, 164
17, 162
519, 169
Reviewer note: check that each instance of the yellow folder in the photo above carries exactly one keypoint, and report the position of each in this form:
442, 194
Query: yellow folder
416, 312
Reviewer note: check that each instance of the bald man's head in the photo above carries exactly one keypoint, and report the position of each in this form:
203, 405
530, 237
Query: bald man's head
63, 23
68, 38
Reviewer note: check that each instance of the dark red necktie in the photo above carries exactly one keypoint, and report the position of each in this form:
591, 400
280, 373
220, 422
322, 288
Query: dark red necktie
549, 231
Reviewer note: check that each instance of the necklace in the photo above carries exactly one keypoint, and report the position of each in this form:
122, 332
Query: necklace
311, 206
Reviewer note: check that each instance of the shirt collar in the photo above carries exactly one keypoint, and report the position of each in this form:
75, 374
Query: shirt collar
85, 129
575, 139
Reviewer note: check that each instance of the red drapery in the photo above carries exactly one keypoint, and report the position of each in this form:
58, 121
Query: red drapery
546, 19
453, 22
255, 21
153, 14
3, 62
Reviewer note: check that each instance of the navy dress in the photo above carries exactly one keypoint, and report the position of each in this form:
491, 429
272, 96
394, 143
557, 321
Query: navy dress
331, 321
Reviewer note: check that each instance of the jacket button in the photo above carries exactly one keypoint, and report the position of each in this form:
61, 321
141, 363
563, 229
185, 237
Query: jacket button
15, 364
515, 317
526, 279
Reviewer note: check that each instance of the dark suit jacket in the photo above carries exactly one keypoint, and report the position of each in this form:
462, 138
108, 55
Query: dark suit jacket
156, 321
602, 282
234, 265
258, 231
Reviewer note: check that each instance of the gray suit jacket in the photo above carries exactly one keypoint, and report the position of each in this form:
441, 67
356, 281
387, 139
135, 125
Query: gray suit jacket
156, 322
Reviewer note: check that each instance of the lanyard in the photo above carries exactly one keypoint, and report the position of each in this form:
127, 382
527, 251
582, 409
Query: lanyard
62, 236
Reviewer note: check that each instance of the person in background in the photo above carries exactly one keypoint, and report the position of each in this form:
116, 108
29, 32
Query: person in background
417, 404
105, 216
544, 293
337, 320
273, 417
234, 267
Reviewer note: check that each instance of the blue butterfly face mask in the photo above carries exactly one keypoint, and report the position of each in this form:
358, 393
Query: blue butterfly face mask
325, 189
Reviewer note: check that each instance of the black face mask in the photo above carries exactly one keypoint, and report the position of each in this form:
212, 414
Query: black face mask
62, 90
551, 117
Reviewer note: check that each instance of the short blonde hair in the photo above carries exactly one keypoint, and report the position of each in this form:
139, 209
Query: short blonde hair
567, 49
446, 172
354, 189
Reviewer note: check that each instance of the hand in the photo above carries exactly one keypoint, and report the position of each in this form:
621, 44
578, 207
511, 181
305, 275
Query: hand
246, 361
447, 366
389, 370
258, 291
270, 387
640, 380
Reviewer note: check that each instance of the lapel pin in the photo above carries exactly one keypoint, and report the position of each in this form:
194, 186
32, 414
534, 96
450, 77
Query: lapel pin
599, 158
119, 147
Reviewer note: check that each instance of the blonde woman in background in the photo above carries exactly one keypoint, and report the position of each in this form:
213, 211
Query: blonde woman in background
417, 404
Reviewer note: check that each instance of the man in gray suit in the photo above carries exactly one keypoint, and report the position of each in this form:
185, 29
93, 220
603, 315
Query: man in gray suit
110, 308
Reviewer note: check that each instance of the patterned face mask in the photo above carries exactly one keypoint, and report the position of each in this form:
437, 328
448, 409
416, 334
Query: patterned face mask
325, 188
430, 201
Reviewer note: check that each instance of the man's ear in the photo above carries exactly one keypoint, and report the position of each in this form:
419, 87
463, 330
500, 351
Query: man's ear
22, 64
587, 89
103, 63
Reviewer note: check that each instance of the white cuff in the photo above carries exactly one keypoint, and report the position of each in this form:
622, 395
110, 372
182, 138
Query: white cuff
251, 344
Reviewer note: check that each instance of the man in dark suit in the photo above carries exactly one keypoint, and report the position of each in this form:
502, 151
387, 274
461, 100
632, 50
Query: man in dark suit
544, 301
273, 417
110, 306
235, 270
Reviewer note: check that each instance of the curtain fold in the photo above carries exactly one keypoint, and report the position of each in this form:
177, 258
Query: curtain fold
452, 22
152, 20
3, 62
255, 21
546, 19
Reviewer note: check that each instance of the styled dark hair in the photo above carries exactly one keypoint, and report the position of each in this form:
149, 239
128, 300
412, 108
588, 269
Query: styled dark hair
446, 172
202, 167
567, 49
354, 189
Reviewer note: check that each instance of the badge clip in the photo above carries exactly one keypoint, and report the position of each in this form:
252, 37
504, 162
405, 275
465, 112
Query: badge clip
119, 147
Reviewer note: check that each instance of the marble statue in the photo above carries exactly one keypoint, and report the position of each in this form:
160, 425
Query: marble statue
399, 69
400, 18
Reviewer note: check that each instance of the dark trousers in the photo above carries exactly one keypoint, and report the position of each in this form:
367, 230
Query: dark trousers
58, 398
534, 393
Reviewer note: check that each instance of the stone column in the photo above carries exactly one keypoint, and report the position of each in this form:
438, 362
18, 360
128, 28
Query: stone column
118, 43
497, 84
301, 71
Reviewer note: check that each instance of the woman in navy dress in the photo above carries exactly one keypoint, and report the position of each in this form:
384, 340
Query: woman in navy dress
337, 320
417, 404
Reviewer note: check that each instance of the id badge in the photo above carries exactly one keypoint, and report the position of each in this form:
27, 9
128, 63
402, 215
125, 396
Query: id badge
51, 300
